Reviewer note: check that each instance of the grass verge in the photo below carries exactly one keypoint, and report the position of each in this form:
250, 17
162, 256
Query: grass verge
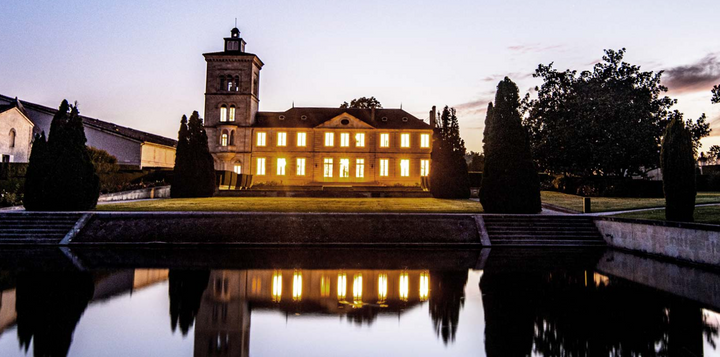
606, 204
707, 214
299, 204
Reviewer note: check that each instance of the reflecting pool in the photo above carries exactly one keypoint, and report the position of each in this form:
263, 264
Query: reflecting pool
343, 302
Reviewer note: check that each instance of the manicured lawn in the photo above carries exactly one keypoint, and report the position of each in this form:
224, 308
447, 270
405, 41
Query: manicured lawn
605, 204
297, 204
707, 214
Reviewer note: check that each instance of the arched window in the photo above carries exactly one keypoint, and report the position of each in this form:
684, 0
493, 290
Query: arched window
230, 85
232, 137
224, 138
222, 82
223, 113
237, 83
12, 138
232, 113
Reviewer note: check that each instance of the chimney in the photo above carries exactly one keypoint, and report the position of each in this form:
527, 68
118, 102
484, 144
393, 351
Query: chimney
432, 117
372, 114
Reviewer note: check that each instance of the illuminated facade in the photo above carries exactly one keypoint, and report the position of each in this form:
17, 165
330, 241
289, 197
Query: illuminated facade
306, 146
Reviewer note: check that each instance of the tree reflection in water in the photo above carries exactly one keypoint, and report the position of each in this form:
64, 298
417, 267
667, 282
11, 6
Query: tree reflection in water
49, 306
447, 297
570, 313
186, 289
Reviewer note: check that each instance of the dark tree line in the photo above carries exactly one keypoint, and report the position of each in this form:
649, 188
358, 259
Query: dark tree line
449, 172
362, 103
194, 173
61, 175
678, 169
608, 122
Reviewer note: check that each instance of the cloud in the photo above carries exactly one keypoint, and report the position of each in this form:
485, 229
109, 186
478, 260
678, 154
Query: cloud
533, 48
514, 76
699, 76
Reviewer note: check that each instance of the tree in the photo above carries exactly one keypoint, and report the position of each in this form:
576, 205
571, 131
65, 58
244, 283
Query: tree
510, 181
362, 103
64, 177
36, 176
194, 173
608, 121
712, 154
449, 174
476, 161
678, 170
716, 94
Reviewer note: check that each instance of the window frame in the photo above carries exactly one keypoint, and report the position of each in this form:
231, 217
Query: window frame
327, 167
384, 168
404, 168
359, 143
329, 138
298, 166
261, 139
384, 140
405, 140
359, 167
281, 164
281, 138
424, 167
424, 141
260, 168
344, 140
346, 173
303, 142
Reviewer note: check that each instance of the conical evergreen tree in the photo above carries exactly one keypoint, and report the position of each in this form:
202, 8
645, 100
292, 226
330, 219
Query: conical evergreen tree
678, 169
179, 187
448, 174
194, 173
510, 181
67, 179
36, 176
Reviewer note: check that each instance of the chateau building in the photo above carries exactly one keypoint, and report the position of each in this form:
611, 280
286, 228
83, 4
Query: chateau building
306, 146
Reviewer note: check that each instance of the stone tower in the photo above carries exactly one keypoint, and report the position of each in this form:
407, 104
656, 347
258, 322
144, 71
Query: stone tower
231, 103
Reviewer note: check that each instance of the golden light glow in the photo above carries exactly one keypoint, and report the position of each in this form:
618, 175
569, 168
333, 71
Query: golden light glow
382, 287
384, 140
344, 167
261, 138
357, 289
300, 166
328, 167
260, 166
301, 139
384, 164
425, 140
360, 168
276, 286
256, 285
405, 140
297, 285
360, 140
424, 285
404, 286
281, 163
424, 167
344, 139
405, 168
238, 169
342, 286
324, 286
223, 113
282, 138
329, 139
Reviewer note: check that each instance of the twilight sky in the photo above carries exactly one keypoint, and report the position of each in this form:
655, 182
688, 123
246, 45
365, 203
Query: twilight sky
139, 63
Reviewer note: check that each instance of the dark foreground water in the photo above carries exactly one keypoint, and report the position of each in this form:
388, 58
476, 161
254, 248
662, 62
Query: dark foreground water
353, 303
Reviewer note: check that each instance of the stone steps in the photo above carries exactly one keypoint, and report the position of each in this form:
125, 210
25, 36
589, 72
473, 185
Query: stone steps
36, 227
527, 230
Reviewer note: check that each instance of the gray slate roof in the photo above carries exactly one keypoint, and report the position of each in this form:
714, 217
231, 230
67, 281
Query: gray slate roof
317, 116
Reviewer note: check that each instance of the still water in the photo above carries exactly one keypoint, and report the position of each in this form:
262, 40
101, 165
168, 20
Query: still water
352, 303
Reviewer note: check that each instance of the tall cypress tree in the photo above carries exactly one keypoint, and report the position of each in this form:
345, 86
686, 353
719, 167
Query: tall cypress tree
448, 174
194, 173
65, 178
677, 161
510, 181
36, 176
179, 187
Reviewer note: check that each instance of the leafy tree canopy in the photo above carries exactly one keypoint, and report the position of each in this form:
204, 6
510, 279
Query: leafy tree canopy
475, 160
609, 121
449, 172
716, 94
362, 103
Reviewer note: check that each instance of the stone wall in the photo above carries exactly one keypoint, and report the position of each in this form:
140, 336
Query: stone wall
143, 193
696, 243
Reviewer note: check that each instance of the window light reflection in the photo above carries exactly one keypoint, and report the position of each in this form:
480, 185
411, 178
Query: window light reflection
297, 286
404, 286
424, 286
357, 289
276, 286
382, 287
342, 286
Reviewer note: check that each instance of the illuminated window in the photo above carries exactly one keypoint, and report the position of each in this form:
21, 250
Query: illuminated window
345, 139
297, 286
223, 113
324, 286
237, 169
384, 164
276, 286
425, 140
424, 167
357, 289
301, 139
232, 113
224, 139
360, 140
260, 166
405, 168
424, 286
405, 140
329, 139
382, 287
404, 286
281, 167
328, 165
261, 138
360, 168
384, 140
300, 166
342, 286
282, 139
344, 167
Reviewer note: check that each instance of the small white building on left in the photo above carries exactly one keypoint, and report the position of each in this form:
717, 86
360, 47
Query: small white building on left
135, 149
